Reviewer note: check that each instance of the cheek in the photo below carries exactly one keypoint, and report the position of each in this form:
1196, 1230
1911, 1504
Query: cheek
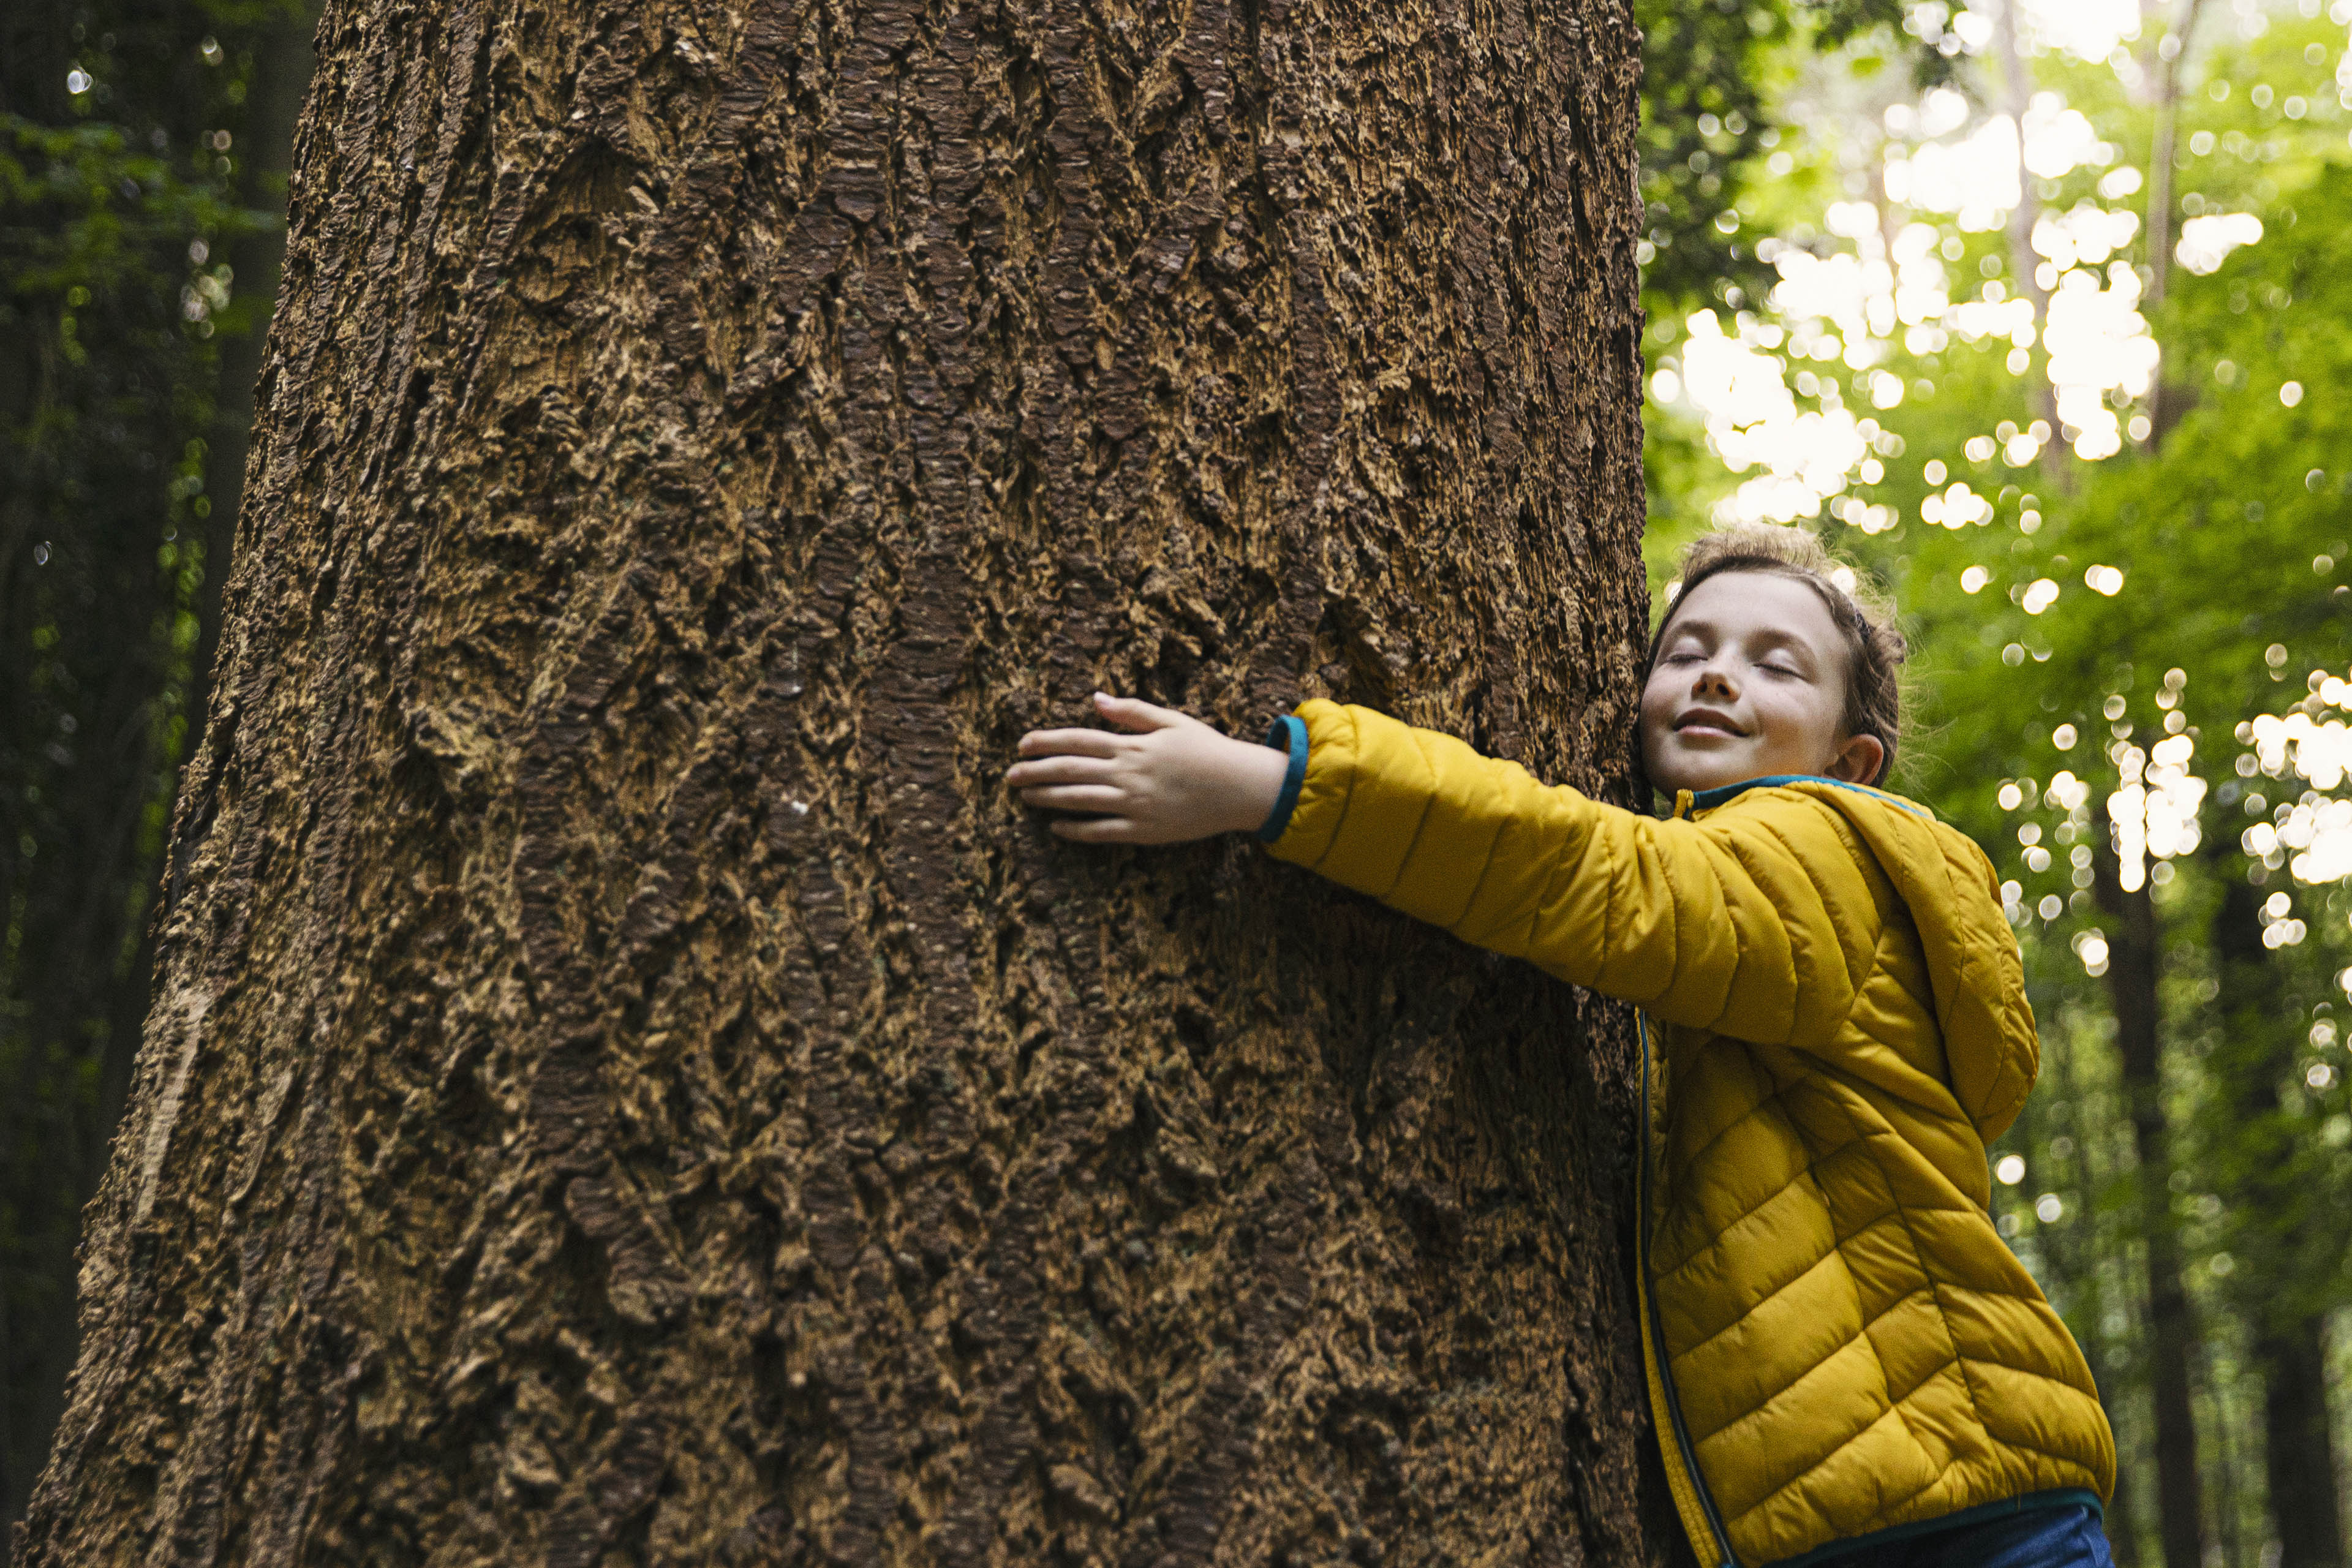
1659, 690
1808, 723
1657, 708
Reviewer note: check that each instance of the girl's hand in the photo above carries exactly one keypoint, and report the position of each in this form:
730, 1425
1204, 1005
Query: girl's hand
1170, 779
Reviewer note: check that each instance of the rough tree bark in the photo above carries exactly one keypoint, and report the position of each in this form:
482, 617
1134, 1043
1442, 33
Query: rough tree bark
280, 79
625, 1084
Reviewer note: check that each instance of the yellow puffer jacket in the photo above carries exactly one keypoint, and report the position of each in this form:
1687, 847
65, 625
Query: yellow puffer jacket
1838, 1342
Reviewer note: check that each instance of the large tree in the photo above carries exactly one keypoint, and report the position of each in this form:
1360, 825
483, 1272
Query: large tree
625, 1081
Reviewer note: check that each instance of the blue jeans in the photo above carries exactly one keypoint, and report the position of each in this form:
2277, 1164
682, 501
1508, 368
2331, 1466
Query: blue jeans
2066, 1537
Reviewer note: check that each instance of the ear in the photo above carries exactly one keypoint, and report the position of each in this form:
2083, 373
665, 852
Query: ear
1858, 759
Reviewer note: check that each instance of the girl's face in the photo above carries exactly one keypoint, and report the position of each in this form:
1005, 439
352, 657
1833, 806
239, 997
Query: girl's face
1750, 681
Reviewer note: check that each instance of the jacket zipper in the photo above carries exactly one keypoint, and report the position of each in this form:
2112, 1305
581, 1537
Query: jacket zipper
1683, 1478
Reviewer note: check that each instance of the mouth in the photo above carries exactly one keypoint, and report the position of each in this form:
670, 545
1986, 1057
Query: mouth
1708, 721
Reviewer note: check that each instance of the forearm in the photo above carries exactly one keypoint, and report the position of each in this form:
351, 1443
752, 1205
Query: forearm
1423, 822
1605, 898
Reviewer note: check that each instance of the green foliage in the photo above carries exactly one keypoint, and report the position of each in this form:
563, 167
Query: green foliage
1708, 71
1719, 167
1705, 125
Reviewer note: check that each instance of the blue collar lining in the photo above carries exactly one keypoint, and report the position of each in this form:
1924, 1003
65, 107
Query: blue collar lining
1709, 799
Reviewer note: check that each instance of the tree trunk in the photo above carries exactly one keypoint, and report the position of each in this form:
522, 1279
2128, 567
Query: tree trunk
2286, 1240
2165, 409
273, 105
626, 1084
2024, 261
2086, 1116
2298, 1449
2135, 951
2133, 968
277, 82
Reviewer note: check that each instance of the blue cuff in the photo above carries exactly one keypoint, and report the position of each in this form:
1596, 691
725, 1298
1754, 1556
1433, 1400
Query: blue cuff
1287, 733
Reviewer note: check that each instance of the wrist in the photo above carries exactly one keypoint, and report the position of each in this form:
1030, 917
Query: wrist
1257, 779
1285, 737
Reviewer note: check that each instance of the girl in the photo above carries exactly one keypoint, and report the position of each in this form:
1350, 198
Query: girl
1844, 1359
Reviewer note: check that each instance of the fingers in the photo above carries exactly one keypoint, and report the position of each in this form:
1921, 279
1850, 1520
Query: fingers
1096, 829
1134, 713
1059, 770
1078, 770
1069, 743
1130, 713
1077, 797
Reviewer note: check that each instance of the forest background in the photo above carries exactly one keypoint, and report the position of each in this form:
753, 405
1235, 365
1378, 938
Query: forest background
2038, 311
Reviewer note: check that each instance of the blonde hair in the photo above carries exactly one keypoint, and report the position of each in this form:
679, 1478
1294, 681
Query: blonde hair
1865, 617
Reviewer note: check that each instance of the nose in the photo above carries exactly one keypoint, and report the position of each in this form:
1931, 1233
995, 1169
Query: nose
1714, 679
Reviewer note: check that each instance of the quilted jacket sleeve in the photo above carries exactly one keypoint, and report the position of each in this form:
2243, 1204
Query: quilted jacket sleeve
1755, 925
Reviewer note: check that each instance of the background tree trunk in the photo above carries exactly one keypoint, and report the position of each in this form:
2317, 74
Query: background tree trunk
625, 1084
2136, 956
2166, 405
2286, 1234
